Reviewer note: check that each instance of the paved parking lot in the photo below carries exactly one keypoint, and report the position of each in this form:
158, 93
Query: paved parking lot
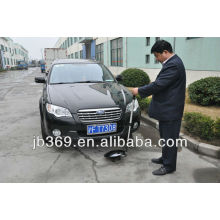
20, 122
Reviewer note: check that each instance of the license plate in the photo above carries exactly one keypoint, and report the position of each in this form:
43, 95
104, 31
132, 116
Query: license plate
101, 128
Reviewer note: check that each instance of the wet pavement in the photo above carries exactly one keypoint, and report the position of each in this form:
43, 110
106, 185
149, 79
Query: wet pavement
20, 122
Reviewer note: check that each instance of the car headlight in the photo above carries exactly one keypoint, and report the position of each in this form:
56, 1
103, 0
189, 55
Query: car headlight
129, 106
58, 111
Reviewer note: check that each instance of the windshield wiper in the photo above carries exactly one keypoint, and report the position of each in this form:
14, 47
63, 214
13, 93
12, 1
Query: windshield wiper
90, 81
87, 81
62, 83
57, 83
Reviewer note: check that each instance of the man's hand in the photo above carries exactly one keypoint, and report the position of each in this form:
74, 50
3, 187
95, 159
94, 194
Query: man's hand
134, 91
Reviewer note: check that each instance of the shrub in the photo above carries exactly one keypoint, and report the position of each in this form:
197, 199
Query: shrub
143, 103
205, 91
217, 128
133, 77
200, 125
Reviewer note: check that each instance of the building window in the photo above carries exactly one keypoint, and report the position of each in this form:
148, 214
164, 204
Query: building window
147, 58
147, 41
81, 54
2, 47
99, 55
117, 52
76, 55
157, 38
75, 39
68, 42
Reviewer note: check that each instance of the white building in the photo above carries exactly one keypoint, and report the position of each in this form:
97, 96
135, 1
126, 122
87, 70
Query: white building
72, 45
11, 53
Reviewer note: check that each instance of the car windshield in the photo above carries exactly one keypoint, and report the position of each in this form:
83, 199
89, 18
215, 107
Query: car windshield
79, 73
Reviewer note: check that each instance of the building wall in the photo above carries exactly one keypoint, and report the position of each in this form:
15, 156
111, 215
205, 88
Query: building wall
12, 52
200, 55
71, 45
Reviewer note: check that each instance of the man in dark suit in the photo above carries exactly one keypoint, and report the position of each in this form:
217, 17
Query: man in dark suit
167, 105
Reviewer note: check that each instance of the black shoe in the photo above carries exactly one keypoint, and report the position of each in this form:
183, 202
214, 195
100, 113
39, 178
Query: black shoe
157, 160
162, 171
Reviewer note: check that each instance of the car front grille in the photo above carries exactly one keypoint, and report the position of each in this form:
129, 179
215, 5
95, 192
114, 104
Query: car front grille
99, 115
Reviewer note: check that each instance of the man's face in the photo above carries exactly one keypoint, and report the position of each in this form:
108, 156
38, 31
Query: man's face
161, 57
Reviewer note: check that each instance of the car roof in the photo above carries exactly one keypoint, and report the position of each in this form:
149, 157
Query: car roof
63, 61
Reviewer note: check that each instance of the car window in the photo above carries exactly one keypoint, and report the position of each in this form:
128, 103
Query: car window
70, 73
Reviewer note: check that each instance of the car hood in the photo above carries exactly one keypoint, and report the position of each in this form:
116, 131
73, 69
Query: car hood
89, 95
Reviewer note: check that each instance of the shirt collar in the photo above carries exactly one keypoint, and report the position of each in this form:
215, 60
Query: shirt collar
167, 59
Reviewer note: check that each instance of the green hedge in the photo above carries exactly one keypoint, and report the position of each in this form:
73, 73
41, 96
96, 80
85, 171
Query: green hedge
143, 103
199, 125
205, 91
133, 77
217, 128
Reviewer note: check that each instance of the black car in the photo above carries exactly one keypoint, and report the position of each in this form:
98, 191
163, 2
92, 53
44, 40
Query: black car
82, 99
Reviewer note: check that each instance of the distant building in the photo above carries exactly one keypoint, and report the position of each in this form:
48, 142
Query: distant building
11, 53
199, 54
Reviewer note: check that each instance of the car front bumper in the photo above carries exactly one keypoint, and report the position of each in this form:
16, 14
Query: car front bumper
75, 129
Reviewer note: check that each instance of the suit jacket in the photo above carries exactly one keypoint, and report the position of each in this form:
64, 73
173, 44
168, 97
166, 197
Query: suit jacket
168, 91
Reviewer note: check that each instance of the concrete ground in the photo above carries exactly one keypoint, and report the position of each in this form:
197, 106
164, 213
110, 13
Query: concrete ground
20, 122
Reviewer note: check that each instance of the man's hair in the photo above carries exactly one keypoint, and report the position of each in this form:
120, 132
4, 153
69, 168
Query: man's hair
160, 46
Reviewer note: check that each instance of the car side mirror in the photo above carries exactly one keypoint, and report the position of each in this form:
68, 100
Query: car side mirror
40, 80
119, 78
46, 73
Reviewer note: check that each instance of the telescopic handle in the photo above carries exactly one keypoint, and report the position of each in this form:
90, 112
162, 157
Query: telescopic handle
131, 117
